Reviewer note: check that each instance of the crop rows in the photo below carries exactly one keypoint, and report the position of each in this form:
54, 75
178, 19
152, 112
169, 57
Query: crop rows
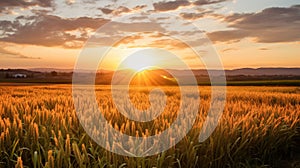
39, 128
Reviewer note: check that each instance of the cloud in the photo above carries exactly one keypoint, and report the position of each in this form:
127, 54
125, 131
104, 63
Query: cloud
118, 11
228, 49
207, 2
121, 9
70, 2
11, 54
171, 5
227, 35
194, 16
47, 30
135, 27
130, 40
137, 18
106, 10
5, 4
268, 26
127, 33
144, 39
171, 44
264, 49
156, 42
24, 3
191, 16
139, 7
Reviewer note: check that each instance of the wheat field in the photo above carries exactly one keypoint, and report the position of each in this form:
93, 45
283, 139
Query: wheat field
259, 128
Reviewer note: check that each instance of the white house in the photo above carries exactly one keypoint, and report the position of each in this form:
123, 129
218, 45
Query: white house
20, 76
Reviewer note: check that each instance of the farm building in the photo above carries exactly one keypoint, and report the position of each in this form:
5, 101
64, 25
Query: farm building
20, 76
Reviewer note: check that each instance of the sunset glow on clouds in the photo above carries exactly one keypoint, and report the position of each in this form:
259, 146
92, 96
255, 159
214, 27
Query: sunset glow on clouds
51, 33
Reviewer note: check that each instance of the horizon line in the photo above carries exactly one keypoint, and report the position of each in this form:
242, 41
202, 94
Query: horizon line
72, 69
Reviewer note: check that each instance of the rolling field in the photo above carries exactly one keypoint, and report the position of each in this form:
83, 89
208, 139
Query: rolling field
260, 127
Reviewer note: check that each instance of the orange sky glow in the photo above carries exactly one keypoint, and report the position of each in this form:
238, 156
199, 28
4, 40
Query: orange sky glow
36, 34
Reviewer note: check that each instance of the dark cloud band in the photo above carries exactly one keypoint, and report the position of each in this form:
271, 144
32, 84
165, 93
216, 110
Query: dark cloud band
268, 26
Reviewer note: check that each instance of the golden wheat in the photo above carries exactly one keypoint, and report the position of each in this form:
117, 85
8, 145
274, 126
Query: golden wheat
39, 128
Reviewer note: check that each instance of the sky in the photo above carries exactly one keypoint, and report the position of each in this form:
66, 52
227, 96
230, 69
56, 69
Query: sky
65, 33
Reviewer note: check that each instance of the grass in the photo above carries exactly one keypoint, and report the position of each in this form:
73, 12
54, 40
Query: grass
259, 128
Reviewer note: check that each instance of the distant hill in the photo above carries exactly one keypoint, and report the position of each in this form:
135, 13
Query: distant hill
234, 72
245, 72
244, 76
50, 70
17, 71
264, 71
65, 70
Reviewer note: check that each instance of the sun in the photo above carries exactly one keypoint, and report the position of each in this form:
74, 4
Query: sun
140, 62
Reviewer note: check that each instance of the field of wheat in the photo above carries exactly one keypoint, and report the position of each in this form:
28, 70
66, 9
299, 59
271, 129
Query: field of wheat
259, 128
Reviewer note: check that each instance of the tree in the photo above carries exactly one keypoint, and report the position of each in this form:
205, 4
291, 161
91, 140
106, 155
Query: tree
7, 75
53, 73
